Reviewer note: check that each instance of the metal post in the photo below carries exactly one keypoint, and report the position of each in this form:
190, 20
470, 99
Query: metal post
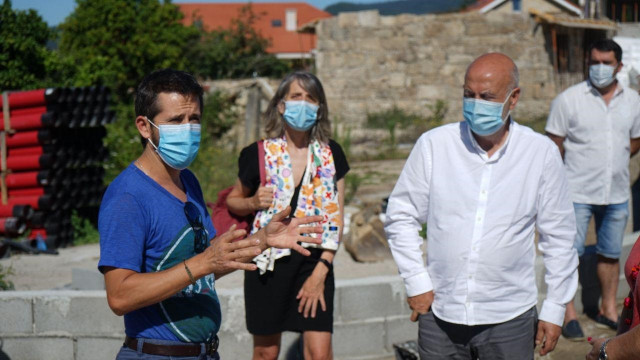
252, 115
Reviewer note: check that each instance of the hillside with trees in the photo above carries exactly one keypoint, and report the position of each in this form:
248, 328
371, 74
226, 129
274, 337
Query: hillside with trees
402, 6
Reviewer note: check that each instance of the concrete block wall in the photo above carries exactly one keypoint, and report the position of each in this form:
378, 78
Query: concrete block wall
370, 315
58, 325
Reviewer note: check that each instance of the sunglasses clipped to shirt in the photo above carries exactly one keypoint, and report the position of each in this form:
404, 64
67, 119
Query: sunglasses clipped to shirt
194, 217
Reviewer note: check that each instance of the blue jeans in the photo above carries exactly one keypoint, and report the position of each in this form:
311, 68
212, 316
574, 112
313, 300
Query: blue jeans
129, 354
611, 220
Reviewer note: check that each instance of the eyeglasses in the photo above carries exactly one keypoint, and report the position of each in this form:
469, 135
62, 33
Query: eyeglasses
195, 220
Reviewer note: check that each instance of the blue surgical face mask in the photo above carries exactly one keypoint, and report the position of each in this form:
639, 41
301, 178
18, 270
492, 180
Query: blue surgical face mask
300, 115
601, 75
178, 144
484, 117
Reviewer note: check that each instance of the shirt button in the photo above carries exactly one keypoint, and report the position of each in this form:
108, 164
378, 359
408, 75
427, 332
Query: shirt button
475, 248
470, 276
479, 218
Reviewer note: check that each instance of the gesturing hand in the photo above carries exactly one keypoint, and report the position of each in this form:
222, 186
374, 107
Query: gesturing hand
547, 336
222, 254
596, 344
285, 233
420, 304
262, 198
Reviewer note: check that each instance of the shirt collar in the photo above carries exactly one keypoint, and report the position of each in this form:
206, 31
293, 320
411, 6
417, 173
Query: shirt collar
480, 151
589, 88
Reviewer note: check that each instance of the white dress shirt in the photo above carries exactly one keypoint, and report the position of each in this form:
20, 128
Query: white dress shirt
596, 146
481, 214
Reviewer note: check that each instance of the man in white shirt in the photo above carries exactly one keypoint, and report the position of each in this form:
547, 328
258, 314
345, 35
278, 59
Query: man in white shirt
596, 125
483, 186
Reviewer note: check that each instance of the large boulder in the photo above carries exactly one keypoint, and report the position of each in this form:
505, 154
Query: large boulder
366, 240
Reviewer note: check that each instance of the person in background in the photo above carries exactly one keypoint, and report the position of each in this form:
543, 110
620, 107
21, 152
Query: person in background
305, 170
159, 252
626, 345
596, 126
483, 186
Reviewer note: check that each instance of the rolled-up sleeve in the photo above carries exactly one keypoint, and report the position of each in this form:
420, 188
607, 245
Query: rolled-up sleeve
557, 122
556, 225
406, 211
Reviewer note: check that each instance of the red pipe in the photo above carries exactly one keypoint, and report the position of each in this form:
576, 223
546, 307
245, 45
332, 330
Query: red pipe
27, 179
25, 111
20, 211
44, 202
31, 98
28, 138
38, 231
31, 150
12, 226
29, 162
35, 191
31, 121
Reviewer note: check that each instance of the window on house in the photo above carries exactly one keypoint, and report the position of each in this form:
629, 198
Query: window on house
291, 17
276, 23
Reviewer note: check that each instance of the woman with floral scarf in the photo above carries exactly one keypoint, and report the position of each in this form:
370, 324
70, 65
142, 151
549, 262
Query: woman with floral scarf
304, 170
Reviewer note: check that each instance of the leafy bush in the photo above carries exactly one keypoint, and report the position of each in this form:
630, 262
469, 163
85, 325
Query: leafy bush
84, 232
236, 52
396, 118
391, 120
5, 283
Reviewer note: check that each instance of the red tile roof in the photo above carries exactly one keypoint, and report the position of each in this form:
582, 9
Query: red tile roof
219, 15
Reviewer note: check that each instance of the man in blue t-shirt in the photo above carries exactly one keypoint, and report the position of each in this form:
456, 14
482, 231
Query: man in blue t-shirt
159, 252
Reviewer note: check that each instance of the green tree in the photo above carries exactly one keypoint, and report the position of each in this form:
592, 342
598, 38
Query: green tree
23, 52
116, 43
236, 52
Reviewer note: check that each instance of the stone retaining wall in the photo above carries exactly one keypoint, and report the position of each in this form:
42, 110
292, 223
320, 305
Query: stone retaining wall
369, 63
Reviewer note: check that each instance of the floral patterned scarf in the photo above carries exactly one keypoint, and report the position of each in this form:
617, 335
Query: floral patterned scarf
318, 195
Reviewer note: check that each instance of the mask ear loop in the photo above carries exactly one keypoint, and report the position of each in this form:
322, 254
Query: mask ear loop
505, 103
149, 138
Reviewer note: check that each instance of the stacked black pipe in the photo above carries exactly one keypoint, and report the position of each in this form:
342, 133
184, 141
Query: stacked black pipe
54, 161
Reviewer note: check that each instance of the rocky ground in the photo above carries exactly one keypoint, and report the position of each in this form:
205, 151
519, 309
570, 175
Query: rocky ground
37, 272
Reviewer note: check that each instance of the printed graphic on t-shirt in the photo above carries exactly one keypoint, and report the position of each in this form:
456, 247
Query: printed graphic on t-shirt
193, 314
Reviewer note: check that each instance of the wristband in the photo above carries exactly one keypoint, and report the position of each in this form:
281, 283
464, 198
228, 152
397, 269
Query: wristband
326, 263
193, 281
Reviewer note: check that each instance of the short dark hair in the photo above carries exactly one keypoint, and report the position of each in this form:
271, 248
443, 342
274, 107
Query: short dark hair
164, 81
607, 45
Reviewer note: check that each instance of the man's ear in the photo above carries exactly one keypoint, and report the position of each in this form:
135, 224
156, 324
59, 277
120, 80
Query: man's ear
144, 128
515, 96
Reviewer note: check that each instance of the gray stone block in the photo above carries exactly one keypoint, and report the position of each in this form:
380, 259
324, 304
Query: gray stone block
30, 348
16, 315
76, 313
290, 346
399, 329
235, 345
359, 339
86, 279
98, 348
374, 297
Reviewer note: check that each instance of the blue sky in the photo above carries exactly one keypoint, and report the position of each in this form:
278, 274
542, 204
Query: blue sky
54, 11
